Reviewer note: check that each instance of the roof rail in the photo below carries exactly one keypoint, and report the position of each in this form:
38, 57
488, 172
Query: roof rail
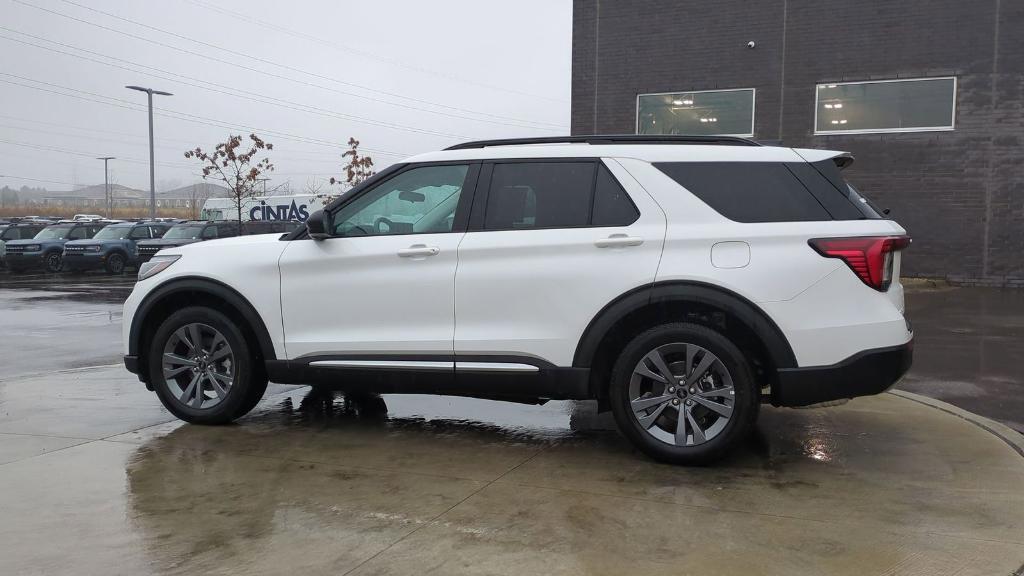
611, 139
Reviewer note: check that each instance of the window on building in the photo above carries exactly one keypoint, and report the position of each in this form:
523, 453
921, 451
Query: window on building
912, 105
709, 112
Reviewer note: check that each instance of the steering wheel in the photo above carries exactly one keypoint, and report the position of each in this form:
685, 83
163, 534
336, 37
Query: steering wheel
382, 220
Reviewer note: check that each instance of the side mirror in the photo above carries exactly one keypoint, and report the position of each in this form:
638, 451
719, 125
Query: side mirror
317, 225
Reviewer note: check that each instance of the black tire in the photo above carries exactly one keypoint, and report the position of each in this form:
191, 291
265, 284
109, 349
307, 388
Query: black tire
746, 399
115, 263
53, 261
248, 384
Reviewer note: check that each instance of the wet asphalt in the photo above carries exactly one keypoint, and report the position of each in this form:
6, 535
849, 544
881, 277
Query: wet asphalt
97, 478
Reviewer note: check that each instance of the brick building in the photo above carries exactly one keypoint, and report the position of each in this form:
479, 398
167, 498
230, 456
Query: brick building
943, 147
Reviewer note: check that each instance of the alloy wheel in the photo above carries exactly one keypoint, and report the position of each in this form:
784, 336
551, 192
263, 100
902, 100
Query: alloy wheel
681, 394
53, 262
116, 263
198, 366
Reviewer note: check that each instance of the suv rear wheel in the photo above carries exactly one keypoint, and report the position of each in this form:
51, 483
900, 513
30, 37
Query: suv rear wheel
683, 393
201, 367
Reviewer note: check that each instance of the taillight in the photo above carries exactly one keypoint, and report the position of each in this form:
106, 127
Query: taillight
870, 257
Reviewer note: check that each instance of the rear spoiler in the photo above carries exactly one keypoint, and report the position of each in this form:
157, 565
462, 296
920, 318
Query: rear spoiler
842, 159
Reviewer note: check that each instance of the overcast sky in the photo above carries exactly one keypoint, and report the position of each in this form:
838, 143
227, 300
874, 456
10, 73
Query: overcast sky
401, 76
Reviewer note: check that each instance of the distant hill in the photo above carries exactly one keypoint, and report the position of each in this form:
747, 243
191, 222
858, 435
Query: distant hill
202, 190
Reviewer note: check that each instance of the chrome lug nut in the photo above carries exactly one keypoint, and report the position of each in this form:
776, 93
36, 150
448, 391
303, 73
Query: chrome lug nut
675, 402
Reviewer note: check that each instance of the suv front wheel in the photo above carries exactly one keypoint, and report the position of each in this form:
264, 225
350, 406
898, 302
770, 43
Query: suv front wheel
683, 393
202, 369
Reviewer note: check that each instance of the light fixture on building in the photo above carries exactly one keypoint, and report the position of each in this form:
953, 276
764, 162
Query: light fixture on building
829, 106
837, 105
682, 102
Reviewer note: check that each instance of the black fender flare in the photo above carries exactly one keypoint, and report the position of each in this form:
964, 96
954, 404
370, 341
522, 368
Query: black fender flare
212, 287
744, 310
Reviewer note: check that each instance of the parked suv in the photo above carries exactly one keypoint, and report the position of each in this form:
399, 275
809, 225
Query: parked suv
198, 230
46, 249
16, 231
112, 248
679, 281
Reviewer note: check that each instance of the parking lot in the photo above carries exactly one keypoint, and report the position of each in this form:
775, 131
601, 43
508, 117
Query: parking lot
99, 479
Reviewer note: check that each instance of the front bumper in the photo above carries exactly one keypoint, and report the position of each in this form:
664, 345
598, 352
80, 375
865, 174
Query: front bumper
23, 260
863, 374
83, 260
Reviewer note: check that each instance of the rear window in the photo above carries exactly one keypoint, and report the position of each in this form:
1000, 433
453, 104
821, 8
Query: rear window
831, 172
748, 191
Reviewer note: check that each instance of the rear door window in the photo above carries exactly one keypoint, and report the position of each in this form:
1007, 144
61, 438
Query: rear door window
748, 191
79, 233
526, 195
139, 233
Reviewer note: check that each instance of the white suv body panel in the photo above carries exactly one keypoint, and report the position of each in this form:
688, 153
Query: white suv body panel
533, 292
356, 295
822, 308
246, 264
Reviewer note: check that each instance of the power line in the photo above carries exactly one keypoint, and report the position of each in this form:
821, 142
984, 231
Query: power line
183, 116
91, 155
345, 48
261, 99
221, 49
36, 179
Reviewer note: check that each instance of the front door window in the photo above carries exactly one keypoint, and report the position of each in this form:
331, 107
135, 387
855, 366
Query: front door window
418, 201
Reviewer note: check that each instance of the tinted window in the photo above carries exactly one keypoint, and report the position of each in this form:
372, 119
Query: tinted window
227, 230
526, 195
829, 171
612, 206
139, 233
158, 231
418, 201
748, 191
210, 232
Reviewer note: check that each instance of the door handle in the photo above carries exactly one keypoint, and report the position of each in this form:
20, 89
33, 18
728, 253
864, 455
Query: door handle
418, 251
618, 241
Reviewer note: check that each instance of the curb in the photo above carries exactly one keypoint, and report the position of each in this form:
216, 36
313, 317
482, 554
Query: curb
1012, 438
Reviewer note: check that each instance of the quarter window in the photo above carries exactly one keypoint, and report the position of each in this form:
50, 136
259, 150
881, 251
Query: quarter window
708, 112
748, 191
612, 206
421, 200
911, 105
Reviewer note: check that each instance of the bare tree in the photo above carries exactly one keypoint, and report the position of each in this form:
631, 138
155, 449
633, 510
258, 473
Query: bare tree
357, 169
313, 187
239, 170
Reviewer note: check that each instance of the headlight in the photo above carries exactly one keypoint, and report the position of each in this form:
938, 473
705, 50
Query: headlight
33, 248
93, 248
157, 265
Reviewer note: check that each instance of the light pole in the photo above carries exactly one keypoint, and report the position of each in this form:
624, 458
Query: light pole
152, 174
107, 196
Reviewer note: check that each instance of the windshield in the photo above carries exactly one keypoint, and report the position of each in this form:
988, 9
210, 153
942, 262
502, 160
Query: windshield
181, 232
4, 230
54, 233
113, 233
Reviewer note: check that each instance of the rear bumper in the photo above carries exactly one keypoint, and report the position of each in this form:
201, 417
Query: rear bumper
863, 374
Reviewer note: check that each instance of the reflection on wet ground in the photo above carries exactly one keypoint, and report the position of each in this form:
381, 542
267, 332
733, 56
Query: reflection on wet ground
51, 321
969, 350
99, 479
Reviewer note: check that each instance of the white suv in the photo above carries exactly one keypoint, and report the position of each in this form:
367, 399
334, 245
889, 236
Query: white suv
679, 281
